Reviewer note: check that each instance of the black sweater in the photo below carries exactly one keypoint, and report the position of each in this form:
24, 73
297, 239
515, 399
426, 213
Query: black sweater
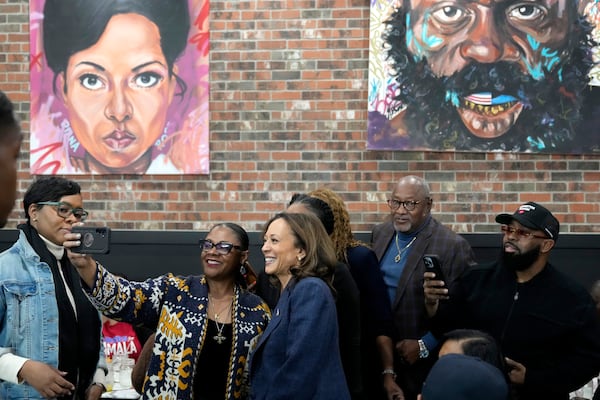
549, 324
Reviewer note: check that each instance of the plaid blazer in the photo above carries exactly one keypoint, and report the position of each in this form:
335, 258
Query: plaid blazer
455, 253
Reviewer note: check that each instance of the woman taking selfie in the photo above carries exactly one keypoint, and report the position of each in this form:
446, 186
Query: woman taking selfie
206, 325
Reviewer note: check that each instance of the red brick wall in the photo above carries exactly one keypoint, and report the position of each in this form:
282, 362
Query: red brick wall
288, 114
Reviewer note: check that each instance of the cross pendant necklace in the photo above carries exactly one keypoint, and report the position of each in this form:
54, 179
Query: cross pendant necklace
219, 337
400, 251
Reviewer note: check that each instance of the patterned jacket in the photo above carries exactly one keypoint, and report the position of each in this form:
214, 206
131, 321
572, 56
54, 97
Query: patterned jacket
177, 305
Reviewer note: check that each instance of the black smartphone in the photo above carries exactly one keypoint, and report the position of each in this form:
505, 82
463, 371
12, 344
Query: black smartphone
94, 239
432, 264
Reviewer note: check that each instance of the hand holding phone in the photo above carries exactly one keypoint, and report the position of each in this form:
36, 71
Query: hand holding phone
432, 264
94, 240
433, 293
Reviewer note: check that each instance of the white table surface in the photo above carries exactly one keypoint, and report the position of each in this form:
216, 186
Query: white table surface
121, 394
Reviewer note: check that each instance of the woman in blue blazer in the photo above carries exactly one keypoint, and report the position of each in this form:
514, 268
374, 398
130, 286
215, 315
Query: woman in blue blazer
298, 355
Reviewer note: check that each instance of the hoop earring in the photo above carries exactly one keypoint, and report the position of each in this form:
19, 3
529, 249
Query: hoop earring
243, 270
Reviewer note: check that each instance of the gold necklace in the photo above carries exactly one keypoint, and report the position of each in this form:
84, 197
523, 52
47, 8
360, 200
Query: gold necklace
219, 337
399, 256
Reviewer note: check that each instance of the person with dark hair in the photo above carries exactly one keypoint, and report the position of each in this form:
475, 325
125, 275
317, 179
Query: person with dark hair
50, 334
266, 286
298, 356
10, 146
475, 343
318, 207
545, 323
400, 243
481, 75
464, 377
114, 67
377, 348
346, 294
206, 325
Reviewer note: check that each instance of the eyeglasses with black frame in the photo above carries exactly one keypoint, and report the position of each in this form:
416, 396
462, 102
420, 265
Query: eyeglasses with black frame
222, 247
409, 205
521, 233
64, 210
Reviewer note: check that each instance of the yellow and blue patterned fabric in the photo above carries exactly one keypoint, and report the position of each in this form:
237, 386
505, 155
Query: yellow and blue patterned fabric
177, 306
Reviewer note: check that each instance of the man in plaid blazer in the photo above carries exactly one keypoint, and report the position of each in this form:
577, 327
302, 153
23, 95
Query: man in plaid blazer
400, 244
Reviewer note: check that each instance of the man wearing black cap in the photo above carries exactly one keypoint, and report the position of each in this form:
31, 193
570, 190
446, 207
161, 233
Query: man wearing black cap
545, 322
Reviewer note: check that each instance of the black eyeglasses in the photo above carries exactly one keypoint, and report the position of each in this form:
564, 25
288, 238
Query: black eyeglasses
520, 232
64, 210
408, 205
222, 247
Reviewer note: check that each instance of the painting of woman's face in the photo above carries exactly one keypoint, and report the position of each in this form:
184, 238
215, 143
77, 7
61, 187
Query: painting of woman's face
117, 92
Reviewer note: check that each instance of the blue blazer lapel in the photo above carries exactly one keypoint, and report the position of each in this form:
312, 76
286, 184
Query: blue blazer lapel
276, 317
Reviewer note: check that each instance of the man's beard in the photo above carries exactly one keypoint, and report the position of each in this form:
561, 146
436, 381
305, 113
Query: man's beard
520, 261
550, 106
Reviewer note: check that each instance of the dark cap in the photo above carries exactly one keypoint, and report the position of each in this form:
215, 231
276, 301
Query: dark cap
533, 216
461, 377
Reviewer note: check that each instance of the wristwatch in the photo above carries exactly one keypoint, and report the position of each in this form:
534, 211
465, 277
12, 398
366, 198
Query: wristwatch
423, 352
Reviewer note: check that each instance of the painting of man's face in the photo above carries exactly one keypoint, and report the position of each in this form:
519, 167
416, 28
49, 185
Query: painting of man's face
482, 75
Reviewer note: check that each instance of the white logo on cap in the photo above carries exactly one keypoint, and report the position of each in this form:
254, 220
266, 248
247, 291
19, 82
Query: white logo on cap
526, 207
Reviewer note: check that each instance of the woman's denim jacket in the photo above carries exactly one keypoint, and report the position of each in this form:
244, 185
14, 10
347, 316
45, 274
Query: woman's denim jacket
28, 316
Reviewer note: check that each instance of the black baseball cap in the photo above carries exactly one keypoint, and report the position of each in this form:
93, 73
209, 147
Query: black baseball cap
533, 216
